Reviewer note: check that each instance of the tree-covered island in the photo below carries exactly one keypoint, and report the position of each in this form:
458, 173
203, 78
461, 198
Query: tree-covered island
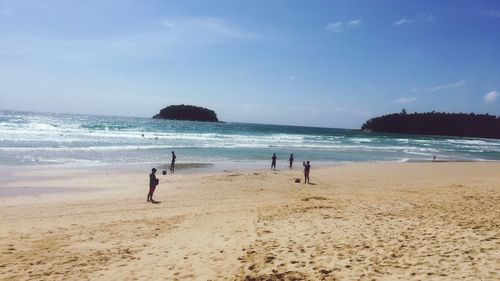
187, 112
436, 123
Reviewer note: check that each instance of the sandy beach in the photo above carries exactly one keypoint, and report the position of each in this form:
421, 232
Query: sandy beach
405, 221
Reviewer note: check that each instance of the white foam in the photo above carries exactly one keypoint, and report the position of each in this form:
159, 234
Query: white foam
360, 140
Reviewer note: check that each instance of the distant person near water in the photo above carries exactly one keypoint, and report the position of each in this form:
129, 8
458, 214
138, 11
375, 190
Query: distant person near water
291, 160
307, 168
273, 163
153, 182
172, 165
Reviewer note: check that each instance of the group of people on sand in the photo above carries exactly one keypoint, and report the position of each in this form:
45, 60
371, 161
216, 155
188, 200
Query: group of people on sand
307, 165
154, 181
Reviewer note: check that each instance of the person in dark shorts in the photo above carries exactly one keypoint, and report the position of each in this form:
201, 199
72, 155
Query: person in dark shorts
291, 160
153, 182
172, 165
273, 163
307, 168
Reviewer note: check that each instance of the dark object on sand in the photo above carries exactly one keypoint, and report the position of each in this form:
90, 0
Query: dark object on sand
187, 112
164, 172
297, 180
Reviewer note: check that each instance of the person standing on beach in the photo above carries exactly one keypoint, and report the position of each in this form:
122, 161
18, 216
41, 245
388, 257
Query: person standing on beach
307, 168
273, 163
172, 165
153, 182
291, 160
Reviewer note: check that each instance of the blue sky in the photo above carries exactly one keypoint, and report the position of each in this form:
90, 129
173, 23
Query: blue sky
313, 63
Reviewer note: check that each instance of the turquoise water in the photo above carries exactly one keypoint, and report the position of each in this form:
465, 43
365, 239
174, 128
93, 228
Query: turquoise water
65, 139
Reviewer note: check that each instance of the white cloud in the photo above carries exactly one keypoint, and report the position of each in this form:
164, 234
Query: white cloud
403, 20
492, 14
404, 100
339, 26
491, 96
355, 22
157, 39
420, 18
334, 27
205, 25
446, 86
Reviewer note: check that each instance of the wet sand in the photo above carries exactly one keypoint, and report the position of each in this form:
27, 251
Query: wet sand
407, 221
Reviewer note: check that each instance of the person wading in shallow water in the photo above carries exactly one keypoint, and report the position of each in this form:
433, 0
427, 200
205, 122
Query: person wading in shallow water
291, 160
307, 168
172, 165
153, 182
273, 163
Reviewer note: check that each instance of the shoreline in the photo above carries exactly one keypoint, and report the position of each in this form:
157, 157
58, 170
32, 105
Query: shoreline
241, 165
37, 181
17, 173
33, 188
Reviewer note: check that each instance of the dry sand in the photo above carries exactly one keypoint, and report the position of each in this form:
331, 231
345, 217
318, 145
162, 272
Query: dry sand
418, 221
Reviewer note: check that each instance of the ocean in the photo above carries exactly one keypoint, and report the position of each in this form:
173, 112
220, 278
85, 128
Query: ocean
28, 139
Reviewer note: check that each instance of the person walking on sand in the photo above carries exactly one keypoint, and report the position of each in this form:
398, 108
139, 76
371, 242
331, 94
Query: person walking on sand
172, 164
291, 160
153, 182
273, 163
307, 168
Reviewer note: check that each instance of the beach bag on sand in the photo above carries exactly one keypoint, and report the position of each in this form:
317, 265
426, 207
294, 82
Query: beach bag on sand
297, 180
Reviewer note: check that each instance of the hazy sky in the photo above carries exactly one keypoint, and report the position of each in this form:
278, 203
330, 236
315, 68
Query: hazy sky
314, 63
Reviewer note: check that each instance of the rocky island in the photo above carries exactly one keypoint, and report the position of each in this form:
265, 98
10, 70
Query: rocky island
187, 112
436, 123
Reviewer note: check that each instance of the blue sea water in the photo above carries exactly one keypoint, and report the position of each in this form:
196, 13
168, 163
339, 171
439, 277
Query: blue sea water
64, 139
